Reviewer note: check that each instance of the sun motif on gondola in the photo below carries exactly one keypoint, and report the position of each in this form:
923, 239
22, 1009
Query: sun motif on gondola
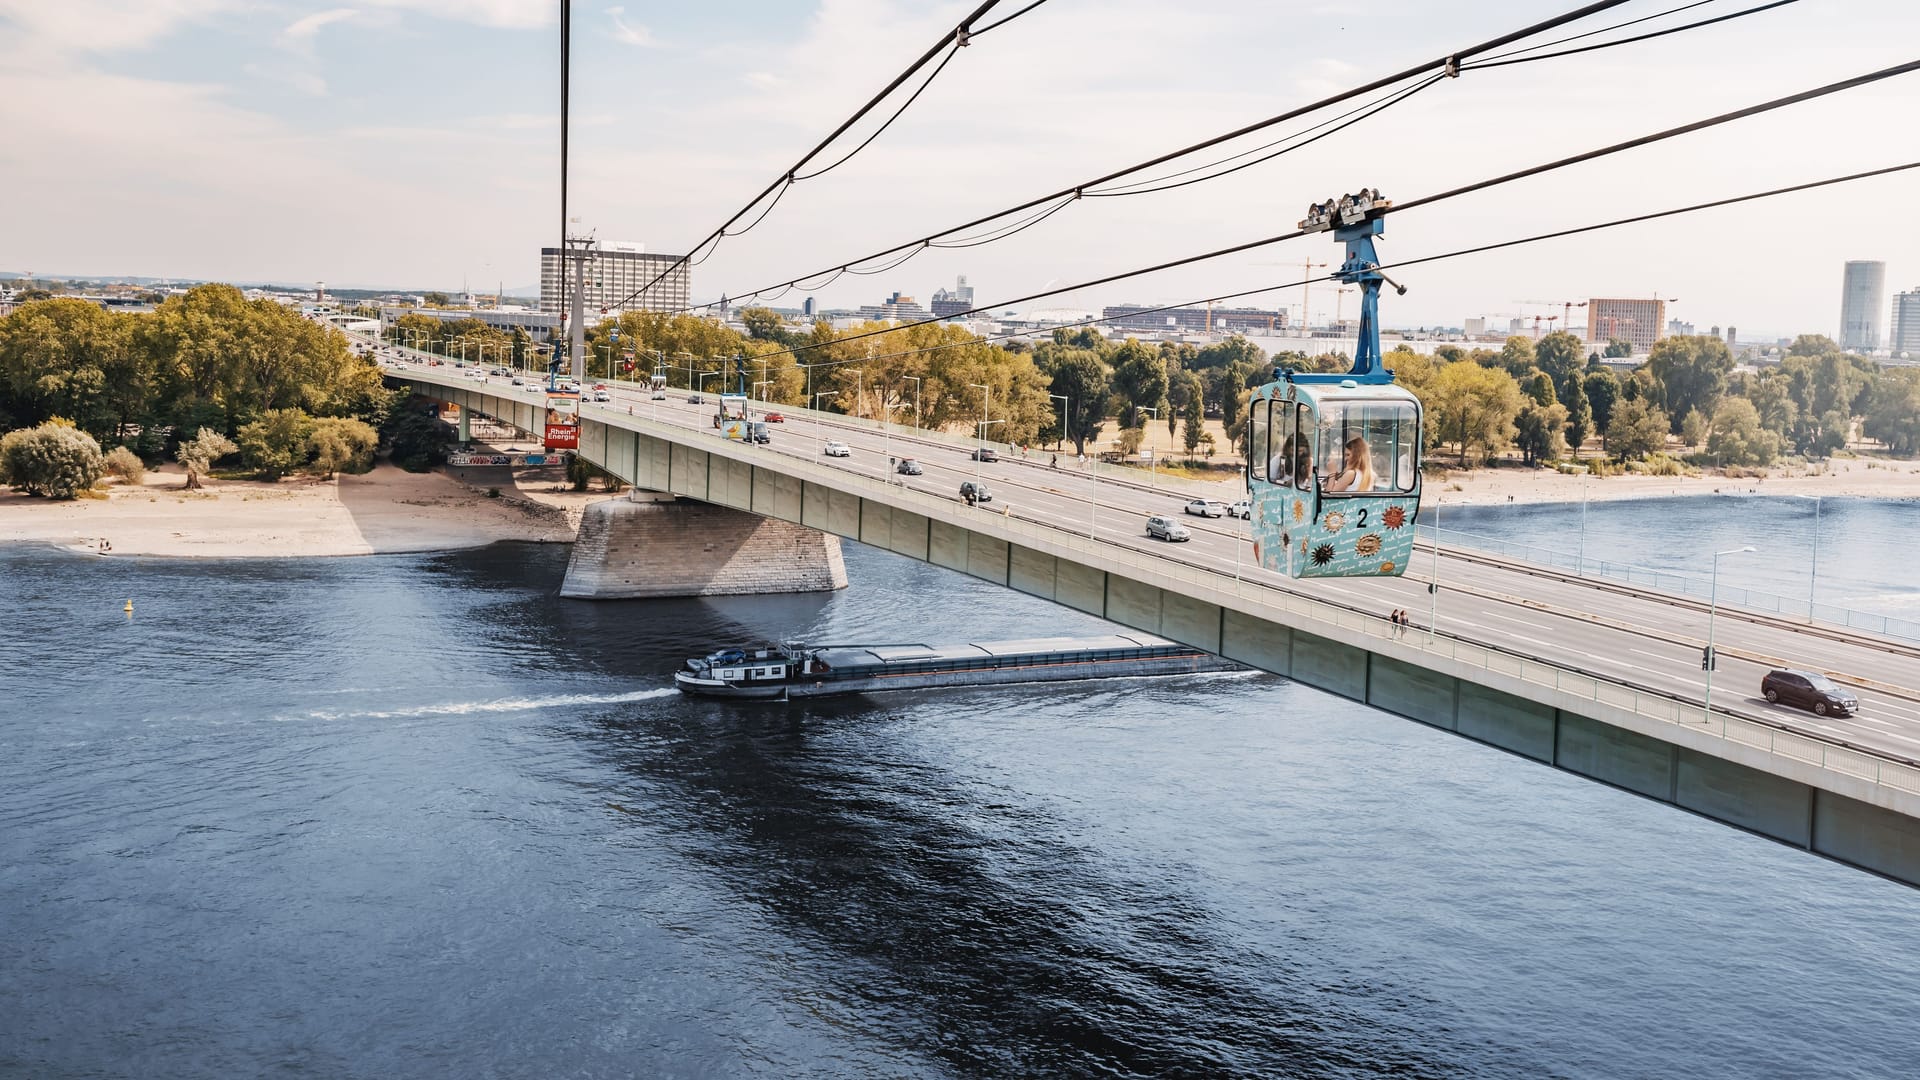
1299, 511
1367, 546
1334, 521
1386, 567
1394, 517
1323, 555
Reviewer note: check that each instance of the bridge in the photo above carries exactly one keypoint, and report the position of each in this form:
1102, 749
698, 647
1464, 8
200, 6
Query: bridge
1598, 678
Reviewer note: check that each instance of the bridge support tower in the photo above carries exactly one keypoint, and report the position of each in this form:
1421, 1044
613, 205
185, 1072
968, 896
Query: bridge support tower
653, 545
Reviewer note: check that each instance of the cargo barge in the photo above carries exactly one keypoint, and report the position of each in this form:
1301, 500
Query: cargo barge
786, 672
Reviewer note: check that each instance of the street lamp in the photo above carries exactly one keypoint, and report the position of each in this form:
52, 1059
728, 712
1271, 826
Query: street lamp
816, 417
916, 399
1813, 571
1152, 459
1433, 584
1708, 660
763, 393
980, 435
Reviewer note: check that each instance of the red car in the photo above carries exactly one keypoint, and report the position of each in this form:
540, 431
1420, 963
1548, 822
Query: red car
775, 418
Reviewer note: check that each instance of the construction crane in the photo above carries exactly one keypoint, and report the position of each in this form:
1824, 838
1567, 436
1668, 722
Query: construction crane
1566, 312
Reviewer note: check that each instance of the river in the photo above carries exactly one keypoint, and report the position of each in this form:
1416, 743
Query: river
416, 817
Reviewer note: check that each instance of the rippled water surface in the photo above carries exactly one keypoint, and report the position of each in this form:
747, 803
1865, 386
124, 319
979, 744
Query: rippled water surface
416, 817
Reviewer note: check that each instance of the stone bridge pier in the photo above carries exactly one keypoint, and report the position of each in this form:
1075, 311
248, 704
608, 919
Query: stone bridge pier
653, 544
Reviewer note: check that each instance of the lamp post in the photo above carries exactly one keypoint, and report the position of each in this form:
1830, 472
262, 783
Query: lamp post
1580, 560
916, 399
1708, 660
1152, 458
1813, 570
980, 433
886, 429
1433, 584
763, 393
1064, 408
816, 417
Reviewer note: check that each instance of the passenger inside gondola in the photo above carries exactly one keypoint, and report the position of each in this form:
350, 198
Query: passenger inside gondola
1356, 472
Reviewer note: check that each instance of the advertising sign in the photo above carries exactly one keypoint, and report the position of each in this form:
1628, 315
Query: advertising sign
563, 420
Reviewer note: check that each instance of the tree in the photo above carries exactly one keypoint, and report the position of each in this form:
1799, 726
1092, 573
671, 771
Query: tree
1139, 376
1618, 349
1538, 432
1739, 438
1516, 356
1558, 354
1691, 372
1892, 412
54, 459
1131, 438
1194, 424
1080, 376
1638, 428
1236, 351
199, 453
1694, 427
337, 444
1579, 415
1812, 345
1539, 387
416, 439
1472, 407
125, 464
72, 359
438, 299
275, 444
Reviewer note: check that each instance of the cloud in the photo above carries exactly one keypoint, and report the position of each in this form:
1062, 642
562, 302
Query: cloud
98, 26
304, 29
625, 34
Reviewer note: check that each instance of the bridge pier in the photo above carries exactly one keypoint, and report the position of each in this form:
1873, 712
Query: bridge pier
656, 545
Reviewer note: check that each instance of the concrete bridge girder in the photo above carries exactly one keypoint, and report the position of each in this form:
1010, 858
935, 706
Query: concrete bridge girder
1805, 795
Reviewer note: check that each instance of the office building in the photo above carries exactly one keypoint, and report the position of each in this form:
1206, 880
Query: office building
1474, 327
1677, 328
1906, 324
1641, 322
807, 308
896, 308
616, 274
1203, 319
1863, 303
948, 303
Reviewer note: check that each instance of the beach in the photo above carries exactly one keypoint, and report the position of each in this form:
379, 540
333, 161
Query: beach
384, 511
1877, 478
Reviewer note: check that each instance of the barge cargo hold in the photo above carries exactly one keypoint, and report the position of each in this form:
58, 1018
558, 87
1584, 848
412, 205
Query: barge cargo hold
785, 672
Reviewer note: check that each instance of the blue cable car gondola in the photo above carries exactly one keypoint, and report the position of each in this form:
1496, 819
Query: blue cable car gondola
1333, 463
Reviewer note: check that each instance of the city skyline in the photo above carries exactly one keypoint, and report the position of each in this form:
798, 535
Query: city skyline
412, 143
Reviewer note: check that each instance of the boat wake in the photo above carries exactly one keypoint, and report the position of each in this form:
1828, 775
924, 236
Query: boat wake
498, 705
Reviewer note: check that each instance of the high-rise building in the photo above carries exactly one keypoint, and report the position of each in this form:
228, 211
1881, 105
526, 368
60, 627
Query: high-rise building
1641, 322
1863, 303
948, 303
1677, 328
807, 308
896, 308
1906, 324
615, 276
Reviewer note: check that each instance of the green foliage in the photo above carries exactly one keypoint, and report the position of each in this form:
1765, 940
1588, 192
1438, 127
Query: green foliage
1130, 440
125, 464
198, 454
1618, 349
1472, 407
1539, 431
1080, 376
1516, 356
416, 440
1580, 420
438, 299
1638, 428
275, 444
1195, 425
1558, 354
1813, 345
1690, 373
54, 459
1539, 387
1694, 427
337, 444
1739, 437
1139, 376
1236, 351
1893, 411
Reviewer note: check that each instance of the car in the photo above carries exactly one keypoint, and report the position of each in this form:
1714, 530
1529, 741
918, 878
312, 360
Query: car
975, 493
659, 395
1167, 529
497, 371
1241, 509
775, 418
984, 454
693, 399
533, 388
1207, 508
837, 449
598, 386
459, 363
602, 395
908, 467
1808, 690
758, 432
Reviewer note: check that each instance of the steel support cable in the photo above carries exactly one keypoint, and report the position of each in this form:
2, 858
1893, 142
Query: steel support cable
1602, 30
1420, 260
1448, 63
911, 98
957, 34
1004, 20
1384, 105
1648, 36
1005, 231
1426, 200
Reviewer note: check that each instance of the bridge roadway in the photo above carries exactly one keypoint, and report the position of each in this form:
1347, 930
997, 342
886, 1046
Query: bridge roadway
1650, 638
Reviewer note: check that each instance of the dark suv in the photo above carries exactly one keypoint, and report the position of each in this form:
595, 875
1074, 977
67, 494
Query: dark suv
984, 454
1808, 690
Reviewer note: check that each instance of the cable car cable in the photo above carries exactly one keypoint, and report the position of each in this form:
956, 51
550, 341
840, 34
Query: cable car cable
956, 37
1649, 36
985, 339
1426, 200
1602, 30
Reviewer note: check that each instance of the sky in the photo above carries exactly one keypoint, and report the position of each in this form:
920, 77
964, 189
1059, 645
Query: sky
415, 143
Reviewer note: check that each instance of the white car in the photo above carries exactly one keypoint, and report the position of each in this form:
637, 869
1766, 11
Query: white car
1241, 509
1207, 508
837, 449
602, 395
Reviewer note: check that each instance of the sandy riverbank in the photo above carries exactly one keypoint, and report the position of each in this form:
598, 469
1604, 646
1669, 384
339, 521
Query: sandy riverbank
385, 511
1860, 477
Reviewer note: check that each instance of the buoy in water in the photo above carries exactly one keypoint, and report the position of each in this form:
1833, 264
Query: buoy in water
129, 608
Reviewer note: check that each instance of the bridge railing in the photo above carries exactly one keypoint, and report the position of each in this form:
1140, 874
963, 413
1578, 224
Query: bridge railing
1681, 584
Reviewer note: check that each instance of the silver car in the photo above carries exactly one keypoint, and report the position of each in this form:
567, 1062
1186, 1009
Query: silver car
1167, 529
1207, 508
